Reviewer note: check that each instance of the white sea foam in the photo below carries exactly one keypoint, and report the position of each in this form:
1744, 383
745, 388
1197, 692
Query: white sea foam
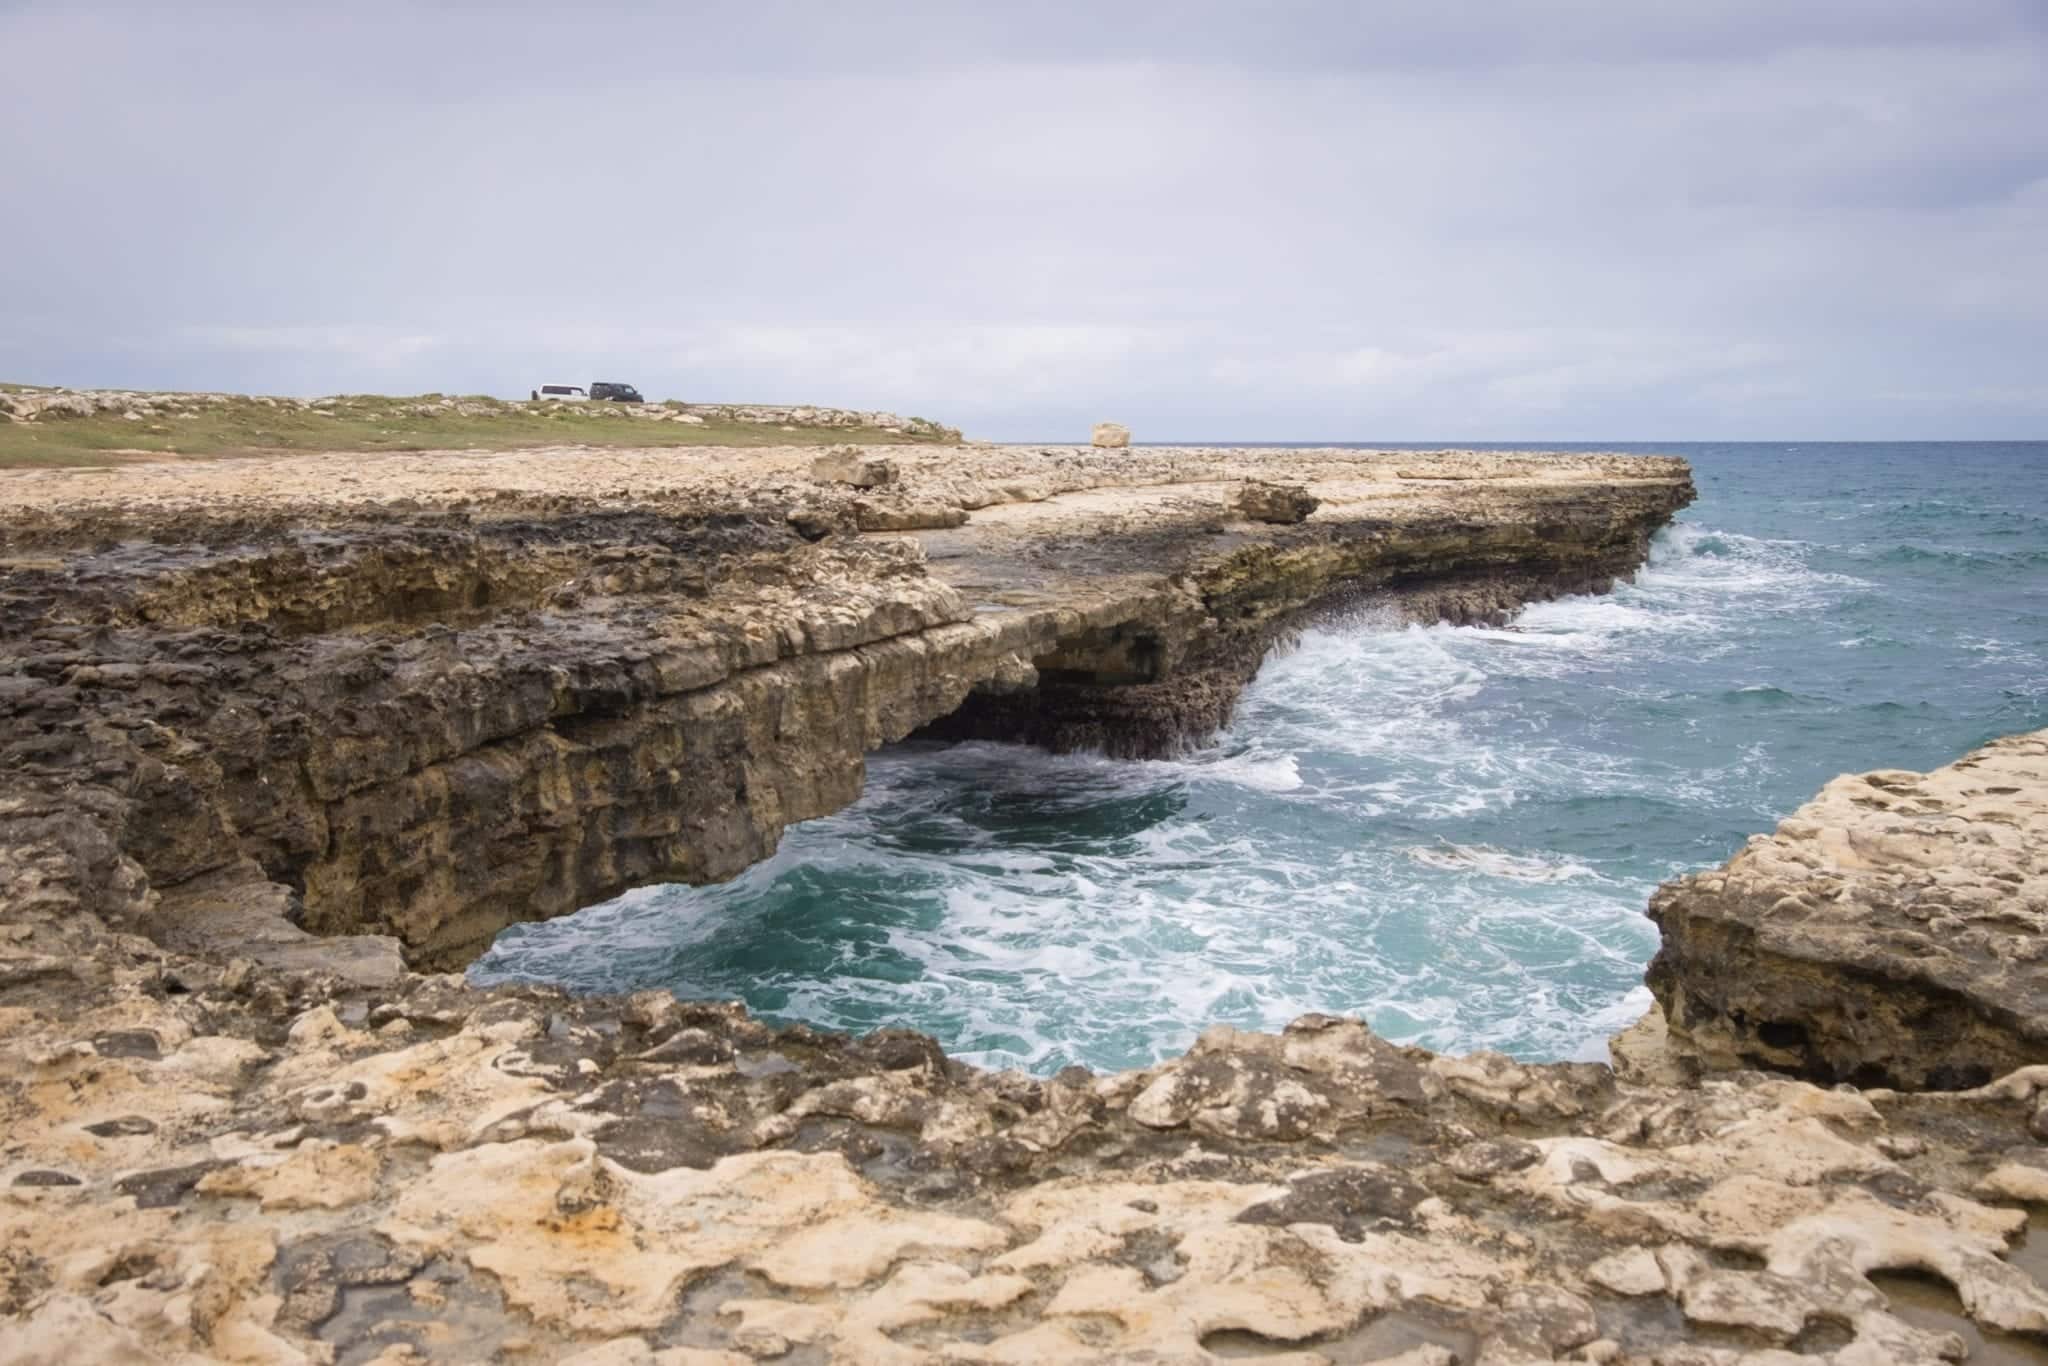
1231, 928
1260, 771
1688, 561
1491, 862
1604, 1024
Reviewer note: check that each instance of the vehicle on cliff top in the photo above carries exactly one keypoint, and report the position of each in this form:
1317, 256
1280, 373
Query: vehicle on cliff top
559, 393
604, 389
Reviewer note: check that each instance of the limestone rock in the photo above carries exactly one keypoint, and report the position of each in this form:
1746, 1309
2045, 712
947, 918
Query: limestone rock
1634, 1271
1111, 436
533, 1176
1891, 931
904, 514
816, 521
1283, 504
416, 720
851, 465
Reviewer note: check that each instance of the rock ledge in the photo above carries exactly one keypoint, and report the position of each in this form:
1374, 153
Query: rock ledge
1889, 934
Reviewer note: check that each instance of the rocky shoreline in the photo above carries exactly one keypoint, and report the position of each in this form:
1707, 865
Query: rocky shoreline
239, 707
508, 687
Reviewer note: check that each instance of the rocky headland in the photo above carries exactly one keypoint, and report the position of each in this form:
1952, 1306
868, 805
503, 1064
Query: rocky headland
424, 697
282, 738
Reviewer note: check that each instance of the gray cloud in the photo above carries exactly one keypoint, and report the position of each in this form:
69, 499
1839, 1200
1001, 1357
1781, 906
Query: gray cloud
1523, 220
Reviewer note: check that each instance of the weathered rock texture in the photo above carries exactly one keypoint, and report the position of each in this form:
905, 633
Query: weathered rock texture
224, 1140
1284, 504
208, 1161
439, 713
807, 415
1890, 933
848, 465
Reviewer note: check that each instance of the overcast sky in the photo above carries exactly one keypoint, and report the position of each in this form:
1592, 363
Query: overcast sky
1545, 219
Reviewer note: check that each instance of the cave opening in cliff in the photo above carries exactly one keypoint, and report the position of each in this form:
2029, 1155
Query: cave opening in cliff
1448, 830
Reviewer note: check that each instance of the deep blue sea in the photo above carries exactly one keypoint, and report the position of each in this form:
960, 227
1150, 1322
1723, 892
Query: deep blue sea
1450, 831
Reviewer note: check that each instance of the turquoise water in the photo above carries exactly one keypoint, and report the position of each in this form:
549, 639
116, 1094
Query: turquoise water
1451, 831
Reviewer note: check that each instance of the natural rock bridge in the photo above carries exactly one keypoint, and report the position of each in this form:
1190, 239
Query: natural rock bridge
436, 714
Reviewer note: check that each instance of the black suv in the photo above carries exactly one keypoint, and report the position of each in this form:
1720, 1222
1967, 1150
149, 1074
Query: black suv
601, 391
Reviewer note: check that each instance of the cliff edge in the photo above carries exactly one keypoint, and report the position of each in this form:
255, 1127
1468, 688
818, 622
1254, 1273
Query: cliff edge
425, 697
418, 699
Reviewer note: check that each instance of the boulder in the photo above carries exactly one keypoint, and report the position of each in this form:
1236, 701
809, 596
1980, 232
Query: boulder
71, 405
36, 407
1890, 933
1284, 504
816, 521
908, 514
847, 465
1112, 436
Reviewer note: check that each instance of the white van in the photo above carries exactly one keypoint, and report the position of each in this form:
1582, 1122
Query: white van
560, 393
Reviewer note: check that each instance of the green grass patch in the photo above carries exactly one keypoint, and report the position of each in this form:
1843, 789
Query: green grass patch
201, 428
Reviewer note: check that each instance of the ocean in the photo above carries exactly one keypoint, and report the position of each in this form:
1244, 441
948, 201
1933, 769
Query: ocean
1449, 831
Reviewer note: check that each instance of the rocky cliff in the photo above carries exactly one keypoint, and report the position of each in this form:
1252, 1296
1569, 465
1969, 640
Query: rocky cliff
481, 698
225, 1139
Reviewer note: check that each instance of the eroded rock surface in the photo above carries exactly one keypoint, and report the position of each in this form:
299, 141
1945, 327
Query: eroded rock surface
851, 465
210, 1161
1283, 504
425, 697
223, 1139
1889, 933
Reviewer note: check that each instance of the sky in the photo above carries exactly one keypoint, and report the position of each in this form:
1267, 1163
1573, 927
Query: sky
1290, 220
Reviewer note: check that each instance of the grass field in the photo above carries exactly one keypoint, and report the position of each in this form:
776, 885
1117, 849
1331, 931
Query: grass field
216, 426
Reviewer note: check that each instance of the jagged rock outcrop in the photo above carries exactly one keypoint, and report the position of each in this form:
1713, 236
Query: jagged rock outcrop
810, 415
1111, 436
211, 1161
438, 714
1282, 504
848, 465
1891, 933
1175, 668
